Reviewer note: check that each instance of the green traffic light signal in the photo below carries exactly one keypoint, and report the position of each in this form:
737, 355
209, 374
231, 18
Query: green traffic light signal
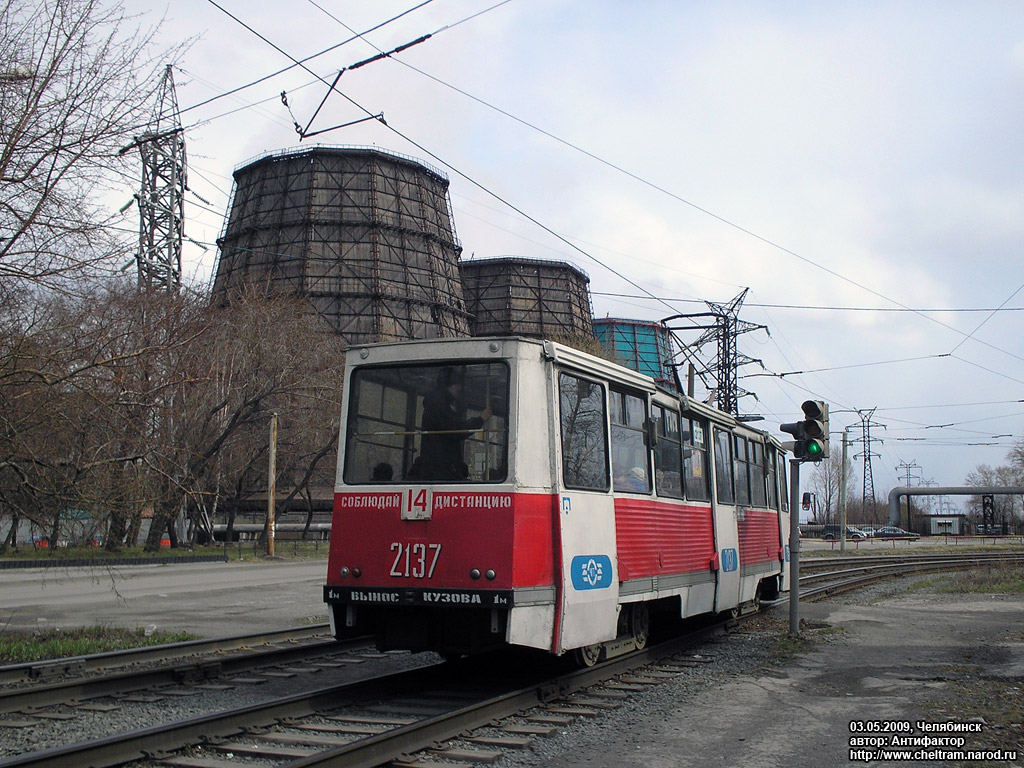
811, 434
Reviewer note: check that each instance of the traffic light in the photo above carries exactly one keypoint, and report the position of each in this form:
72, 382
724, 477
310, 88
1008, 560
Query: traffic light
811, 434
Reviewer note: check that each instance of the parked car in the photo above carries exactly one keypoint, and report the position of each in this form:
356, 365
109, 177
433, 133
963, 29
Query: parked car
891, 532
831, 533
868, 530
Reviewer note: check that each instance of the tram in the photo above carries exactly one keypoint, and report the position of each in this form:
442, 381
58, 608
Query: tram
512, 491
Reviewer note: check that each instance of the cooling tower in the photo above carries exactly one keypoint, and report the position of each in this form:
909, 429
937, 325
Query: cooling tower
366, 236
527, 297
644, 346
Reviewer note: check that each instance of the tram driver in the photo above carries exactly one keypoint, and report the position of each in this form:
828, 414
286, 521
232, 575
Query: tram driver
445, 430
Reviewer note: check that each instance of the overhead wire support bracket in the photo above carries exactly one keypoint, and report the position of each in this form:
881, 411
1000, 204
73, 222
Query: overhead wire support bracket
304, 132
379, 116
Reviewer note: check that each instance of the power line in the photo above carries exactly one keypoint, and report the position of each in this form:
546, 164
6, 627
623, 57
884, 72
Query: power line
437, 158
994, 311
355, 36
827, 308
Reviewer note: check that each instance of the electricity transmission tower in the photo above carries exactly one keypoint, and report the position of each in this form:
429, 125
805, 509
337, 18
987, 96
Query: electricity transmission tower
724, 329
162, 196
868, 492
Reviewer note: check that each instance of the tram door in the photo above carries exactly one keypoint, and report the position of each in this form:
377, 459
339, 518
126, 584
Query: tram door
588, 591
727, 542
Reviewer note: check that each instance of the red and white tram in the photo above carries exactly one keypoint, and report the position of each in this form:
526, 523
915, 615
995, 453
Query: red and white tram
512, 491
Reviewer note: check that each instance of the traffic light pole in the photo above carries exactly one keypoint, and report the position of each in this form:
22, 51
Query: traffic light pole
794, 547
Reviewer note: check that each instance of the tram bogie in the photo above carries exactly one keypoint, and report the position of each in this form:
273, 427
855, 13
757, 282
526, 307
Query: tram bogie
516, 492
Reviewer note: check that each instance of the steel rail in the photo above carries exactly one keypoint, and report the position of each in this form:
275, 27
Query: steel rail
371, 751
109, 659
900, 566
136, 745
848, 565
392, 745
73, 691
807, 563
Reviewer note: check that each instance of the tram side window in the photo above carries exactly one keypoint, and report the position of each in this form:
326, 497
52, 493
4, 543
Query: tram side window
723, 467
630, 468
773, 478
741, 467
584, 446
758, 490
668, 454
696, 469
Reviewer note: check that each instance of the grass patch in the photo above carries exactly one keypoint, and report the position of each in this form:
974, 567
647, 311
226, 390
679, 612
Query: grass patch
787, 646
988, 580
19, 648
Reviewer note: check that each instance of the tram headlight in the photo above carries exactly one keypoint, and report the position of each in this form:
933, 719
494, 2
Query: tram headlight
344, 572
491, 575
474, 574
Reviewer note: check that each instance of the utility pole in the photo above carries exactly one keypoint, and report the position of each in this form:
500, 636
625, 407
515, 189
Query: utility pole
794, 547
842, 492
272, 485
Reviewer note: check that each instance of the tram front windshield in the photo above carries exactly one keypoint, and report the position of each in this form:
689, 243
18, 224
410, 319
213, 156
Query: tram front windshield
437, 423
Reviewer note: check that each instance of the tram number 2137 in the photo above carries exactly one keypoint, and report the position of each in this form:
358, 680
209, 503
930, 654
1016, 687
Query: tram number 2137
416, 561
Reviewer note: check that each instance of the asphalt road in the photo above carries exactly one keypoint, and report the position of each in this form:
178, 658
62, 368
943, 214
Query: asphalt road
206, 599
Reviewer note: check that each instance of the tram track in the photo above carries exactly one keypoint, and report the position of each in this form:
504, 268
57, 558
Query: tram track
77, 665
342, 725
383, 717
207, 669
833, 575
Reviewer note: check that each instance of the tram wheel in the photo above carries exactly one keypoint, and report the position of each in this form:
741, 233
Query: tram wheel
640, 624
588, 655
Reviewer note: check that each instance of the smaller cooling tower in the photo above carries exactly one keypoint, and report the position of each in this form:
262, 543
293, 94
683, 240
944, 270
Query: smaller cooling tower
643, 346
365, 236
513, 296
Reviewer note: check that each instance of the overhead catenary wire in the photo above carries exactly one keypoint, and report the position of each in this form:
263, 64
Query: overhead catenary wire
470, 179
865, 309
332, 87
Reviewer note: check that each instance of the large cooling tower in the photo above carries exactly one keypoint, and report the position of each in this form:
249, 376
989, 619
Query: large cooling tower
641, 345
527, 297
366, 236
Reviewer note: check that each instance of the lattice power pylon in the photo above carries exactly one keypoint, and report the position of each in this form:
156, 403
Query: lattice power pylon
162, 196
868, 491
726, 327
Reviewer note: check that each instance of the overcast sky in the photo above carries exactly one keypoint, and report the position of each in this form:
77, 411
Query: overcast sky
865, 157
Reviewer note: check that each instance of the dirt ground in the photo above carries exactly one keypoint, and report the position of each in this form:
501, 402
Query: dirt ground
863, 669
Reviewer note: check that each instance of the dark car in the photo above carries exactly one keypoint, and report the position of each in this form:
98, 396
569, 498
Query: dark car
891, 532
831, 533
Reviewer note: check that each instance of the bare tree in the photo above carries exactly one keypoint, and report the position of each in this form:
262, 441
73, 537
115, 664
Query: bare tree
120, 403
79, 380
77, 78
826, 481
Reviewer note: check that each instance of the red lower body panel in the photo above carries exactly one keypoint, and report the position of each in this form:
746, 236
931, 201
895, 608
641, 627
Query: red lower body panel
657, 538
759, 537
